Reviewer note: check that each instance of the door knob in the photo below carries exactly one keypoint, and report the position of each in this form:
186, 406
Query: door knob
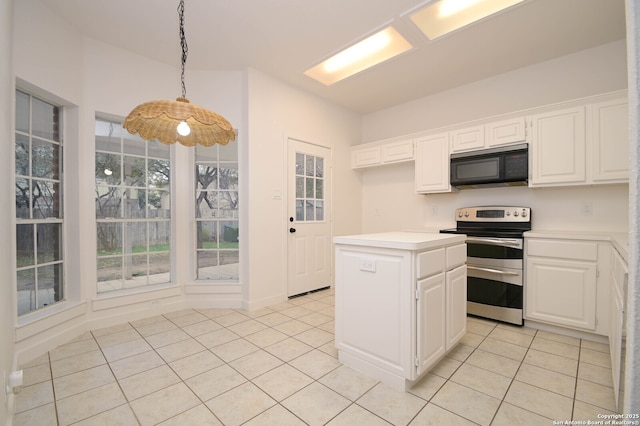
292, 230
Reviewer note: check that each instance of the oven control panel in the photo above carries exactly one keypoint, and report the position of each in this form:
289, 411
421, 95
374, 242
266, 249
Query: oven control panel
494, 214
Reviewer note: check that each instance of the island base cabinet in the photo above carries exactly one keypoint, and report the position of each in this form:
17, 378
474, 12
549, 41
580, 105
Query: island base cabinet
398, 312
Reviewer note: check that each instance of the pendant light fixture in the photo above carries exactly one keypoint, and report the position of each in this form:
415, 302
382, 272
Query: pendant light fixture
179, 121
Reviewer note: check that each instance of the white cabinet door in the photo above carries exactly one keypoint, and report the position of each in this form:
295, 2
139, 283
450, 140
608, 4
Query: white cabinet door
505, 132
432, 164
467, 139
456, 305
430, 318
610, 139
365, 157
558, 147
397, 151
561, 292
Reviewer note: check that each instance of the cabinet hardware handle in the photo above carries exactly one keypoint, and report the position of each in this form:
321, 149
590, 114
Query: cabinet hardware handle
494, 271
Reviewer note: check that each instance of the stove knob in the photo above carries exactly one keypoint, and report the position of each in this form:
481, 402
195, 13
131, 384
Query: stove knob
516, 214
466, 214
459, 214
524, 213
508, 213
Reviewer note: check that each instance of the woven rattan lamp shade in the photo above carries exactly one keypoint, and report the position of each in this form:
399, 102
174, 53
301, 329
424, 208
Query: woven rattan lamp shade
159, 120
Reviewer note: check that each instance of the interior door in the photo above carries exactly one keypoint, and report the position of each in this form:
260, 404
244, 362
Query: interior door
309, 217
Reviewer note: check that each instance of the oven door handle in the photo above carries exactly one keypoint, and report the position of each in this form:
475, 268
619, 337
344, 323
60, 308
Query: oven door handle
493, 271
496, 241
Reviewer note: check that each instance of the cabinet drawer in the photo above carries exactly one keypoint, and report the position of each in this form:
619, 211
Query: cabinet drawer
456, 256
430, 263
563, 249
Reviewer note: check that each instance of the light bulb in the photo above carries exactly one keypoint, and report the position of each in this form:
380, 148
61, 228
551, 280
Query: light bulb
108, 172
184, 129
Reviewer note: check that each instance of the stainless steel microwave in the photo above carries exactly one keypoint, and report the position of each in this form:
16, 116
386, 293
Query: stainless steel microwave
504, 166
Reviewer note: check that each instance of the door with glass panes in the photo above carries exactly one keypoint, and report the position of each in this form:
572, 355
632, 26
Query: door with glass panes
308, 221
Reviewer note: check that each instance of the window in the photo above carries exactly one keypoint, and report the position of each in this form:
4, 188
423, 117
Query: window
217, 226
133, 209
39, 189
309, 188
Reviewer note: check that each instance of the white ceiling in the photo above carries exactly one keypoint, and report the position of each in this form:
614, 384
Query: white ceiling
283, 38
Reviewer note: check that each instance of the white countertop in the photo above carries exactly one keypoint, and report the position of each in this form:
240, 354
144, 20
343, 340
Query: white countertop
404, 240
620, 240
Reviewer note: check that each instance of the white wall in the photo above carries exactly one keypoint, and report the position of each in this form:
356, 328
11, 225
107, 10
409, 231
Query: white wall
277, 112
389, 201
7, 309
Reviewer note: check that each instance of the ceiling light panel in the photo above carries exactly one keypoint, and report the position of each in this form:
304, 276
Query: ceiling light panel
445, 16
365, 54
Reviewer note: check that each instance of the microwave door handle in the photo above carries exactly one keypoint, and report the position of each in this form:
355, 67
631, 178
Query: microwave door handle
494, 241
494, 271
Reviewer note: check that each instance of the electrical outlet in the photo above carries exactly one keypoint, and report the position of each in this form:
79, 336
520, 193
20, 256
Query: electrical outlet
367, 265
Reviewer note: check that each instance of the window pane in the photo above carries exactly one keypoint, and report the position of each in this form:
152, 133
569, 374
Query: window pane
299, 164
49, 242
46, 199
207, 265
309, 193
309, 213
135, 206
159, 204
110, 274
158, 150
299, 187
158, 173
159, 268
135, 237
133, 144
228, 178
22, 155
23, 197
229, 265
207, 204
22, 112
134, 171
228, 204
108, 136
310, 165
206, 177
109, 238
24, 246
230, 235
319, 167
26, 291
45, 120
108, 202
108, 167
45, 159
49, 284
319, 210
299, 210
319, 189
159, 236
135, 270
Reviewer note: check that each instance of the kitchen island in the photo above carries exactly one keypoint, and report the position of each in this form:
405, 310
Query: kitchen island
401, 302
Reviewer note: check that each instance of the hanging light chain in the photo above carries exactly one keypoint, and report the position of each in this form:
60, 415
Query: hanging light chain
183, 44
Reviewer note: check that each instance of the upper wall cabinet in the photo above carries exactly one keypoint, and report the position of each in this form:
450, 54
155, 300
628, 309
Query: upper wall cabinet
377, 154
583, 145
432, 164
558, 148
495, 133
610, 141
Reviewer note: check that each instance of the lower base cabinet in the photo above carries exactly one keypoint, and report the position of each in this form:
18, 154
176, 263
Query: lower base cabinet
398, 312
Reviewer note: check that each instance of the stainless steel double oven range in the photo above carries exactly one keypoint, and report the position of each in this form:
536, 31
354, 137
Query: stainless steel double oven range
495, 259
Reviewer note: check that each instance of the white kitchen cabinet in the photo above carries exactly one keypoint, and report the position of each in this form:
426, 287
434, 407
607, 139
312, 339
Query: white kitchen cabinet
432, 164
619, 282
497, 133
395, 295
377, 154
561, 283
558, 147
366, 157
505, 132
467, 139
610, 141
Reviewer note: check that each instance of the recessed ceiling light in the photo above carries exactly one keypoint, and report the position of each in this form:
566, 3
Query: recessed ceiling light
445, 16
371, 51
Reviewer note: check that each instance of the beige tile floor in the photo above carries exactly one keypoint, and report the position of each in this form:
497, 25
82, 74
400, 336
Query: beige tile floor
278, 366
